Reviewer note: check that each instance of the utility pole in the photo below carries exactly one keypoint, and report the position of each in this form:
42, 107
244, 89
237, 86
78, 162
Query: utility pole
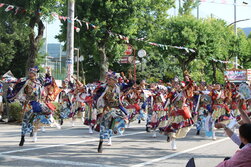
60, 59
46, 44
179, 7
198, 11
70, 39
235, 31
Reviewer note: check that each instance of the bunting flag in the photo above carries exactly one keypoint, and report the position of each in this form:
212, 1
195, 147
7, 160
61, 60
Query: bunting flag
10, 7
77, 29
122, 37
16, 11
226, 62
65, 18
225, 2
164, 47
88, 25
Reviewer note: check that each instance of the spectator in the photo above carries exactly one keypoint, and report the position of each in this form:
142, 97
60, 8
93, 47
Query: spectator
1, 101
242, 158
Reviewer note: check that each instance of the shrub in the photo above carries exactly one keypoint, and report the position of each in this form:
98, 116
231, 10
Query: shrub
15, 112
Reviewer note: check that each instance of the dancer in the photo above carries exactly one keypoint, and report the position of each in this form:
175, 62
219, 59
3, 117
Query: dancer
36, 111
114, 116
180, 119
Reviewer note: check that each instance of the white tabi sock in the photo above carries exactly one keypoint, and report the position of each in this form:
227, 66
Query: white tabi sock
109, 141
173, 144
154, 134
213, 136
42, 129
57, 125
72, 123
35, 137
90, 130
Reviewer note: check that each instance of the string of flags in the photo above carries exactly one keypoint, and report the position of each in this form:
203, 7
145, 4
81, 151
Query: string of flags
65, 18
90, 25
226, 62
225, 2
12, 7
164, 47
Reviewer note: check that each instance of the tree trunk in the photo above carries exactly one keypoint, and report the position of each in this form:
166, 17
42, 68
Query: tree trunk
214, 72
104, 64
34, 41
184, 68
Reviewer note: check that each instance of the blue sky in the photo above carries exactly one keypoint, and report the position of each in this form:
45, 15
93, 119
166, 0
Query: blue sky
219, 10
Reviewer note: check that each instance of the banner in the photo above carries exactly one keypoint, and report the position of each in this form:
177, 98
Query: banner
236, 75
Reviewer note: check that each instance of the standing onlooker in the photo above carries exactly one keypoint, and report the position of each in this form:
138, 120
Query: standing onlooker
1, 100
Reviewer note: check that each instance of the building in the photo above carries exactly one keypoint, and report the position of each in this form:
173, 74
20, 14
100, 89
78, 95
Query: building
56, 59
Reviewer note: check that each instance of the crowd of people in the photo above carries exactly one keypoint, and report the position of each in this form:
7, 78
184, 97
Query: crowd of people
109, 107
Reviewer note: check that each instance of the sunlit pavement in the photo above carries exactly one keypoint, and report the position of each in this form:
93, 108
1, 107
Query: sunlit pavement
74, 146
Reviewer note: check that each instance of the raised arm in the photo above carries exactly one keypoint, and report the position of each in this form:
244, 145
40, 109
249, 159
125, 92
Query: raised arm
243, 113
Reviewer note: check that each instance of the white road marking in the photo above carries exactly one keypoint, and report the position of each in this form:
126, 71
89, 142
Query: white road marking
57, 162
178, 153
47, 130
61, 145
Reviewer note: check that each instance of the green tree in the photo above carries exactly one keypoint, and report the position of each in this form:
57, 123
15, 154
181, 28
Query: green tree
13, 45
37, 11
187, 7
132, 18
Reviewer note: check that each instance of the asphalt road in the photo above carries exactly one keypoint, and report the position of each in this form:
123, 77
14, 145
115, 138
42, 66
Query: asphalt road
73, 146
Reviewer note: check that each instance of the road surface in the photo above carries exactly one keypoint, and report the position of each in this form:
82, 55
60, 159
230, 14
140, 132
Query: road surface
73, 146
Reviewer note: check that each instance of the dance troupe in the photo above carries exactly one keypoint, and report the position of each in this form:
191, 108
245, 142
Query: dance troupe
108, 108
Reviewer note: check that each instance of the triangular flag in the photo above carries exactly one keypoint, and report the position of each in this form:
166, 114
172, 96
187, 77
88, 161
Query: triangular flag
87, 25
93, 26
79, 22
54, 14
16, 11
10, 7
64, 18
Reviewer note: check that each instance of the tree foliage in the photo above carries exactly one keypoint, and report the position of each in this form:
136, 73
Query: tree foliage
132, 18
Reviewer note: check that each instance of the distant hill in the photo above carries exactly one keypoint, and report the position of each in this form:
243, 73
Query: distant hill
247, 30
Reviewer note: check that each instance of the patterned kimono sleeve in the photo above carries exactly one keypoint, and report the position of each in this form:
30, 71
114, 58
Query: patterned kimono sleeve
45, 79
126, 86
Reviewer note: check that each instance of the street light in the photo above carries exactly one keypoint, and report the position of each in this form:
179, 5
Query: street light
235, 29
